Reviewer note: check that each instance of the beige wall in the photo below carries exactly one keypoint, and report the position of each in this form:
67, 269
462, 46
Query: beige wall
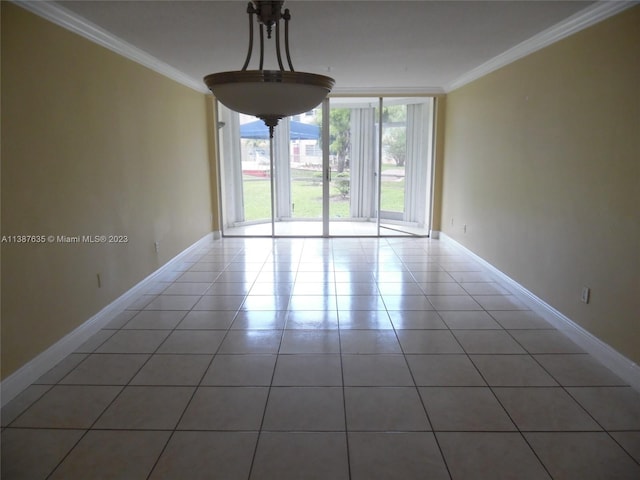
542, 163
92, 144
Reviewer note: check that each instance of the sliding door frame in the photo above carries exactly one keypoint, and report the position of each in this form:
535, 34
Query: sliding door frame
326, 172
326, 168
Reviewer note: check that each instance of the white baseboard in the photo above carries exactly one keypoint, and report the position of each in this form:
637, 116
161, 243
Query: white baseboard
38, 366
435, 234
604, 353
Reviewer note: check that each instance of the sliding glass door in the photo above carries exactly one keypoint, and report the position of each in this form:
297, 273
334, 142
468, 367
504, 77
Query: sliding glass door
366, 173
245, 172
353, 154
405, 180
298, 176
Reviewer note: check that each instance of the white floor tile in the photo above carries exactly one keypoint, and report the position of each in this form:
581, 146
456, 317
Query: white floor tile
358, 358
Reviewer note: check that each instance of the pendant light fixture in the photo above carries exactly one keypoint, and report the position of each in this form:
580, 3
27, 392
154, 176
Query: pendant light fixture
269, 94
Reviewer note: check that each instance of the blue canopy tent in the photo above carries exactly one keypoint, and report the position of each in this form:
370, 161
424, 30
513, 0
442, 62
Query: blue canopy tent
298, 130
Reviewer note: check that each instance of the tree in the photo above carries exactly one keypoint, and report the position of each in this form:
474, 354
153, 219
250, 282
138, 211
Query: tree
342, 182
395, 142
339, 134
394, 117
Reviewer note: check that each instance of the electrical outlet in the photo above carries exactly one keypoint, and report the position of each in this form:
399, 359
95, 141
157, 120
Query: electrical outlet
464, 228
586, 294
157, 246
99, 280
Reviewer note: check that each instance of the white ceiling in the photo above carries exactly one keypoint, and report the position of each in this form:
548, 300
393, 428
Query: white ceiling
367, 46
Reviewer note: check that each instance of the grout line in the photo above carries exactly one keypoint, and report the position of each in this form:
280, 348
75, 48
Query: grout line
344, 396
424, 407
266, 403
375, 279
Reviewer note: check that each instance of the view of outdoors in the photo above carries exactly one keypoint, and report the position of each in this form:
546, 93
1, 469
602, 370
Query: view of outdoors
363, 191
306, 166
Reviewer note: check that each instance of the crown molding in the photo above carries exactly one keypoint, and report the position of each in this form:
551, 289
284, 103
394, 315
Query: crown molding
76, 24
579, 21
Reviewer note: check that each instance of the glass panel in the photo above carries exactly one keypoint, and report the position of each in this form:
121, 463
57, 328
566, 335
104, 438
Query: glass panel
405, 187
256, 171
299, 175
394, 155
353, 161
244, 175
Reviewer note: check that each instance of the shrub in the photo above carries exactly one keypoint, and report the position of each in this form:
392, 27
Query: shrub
342, 183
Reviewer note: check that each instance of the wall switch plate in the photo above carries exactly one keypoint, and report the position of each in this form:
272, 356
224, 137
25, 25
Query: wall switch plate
586, 293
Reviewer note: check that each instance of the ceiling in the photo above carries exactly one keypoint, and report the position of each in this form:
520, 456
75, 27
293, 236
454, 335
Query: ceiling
367, 46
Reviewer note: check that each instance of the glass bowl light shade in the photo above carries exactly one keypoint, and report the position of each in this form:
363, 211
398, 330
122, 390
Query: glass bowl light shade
269, 94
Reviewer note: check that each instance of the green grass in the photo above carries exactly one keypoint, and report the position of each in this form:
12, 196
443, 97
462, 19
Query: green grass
306, 195
392, 196
257, 201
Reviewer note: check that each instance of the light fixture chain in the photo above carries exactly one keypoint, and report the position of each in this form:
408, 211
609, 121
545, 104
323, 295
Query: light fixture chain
278, 45
287, 17
261, 46
250, 10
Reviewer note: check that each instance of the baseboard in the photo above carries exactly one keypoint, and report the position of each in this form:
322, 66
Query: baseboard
15, 383
604, 353
434, 234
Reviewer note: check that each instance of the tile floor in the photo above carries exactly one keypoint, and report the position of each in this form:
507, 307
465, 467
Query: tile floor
325, 359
